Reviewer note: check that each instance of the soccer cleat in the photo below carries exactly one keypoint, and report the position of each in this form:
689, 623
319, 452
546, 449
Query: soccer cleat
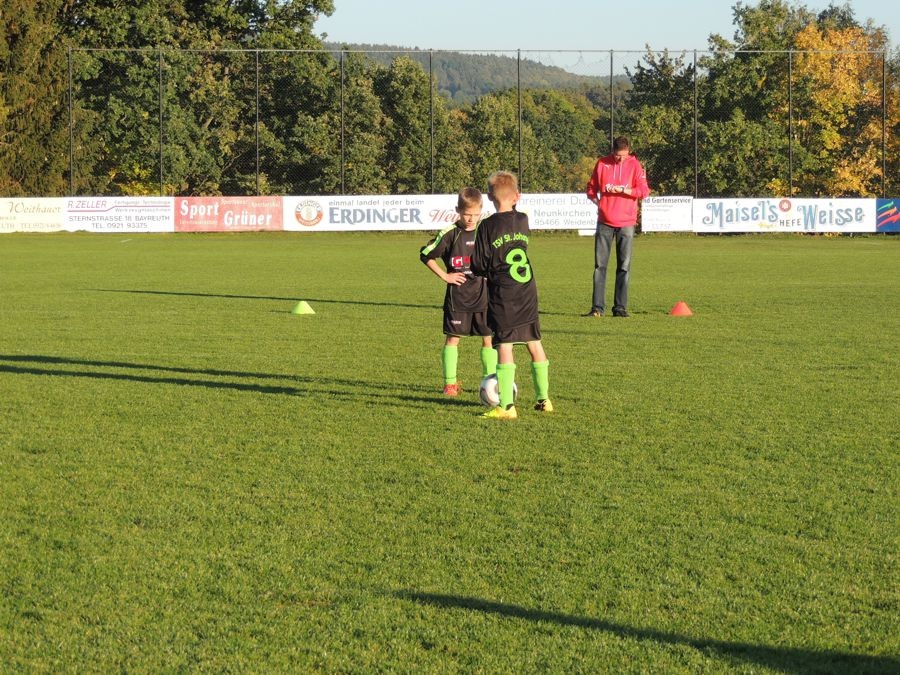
499, 413
595, 313
544, 406
451, 389
621, 312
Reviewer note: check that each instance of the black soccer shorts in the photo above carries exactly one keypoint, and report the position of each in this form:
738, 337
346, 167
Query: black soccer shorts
529, 332
464, 324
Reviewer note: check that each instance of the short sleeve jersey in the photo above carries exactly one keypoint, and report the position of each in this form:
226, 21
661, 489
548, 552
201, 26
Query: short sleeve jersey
454, 247
501, 255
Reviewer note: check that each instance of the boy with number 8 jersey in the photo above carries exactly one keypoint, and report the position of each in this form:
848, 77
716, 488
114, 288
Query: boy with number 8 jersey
501, 255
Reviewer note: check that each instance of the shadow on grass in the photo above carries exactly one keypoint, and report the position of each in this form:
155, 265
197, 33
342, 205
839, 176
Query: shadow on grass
282, 299
786, 659
267, 297
63, 360
355, 391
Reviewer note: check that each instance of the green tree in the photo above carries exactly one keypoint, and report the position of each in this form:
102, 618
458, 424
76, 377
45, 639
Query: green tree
563, 123
838, 118
659, 116
807, 87
34, 112
426, 146
452, 170
404, 90
193, 112
493, 131
365, 124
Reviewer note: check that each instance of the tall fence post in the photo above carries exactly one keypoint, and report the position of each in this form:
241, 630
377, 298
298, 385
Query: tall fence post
696, 133
611, 102
342, 122
161, 182
790, 123
71, 133
257, 122
431, 111
519, 88
884, 101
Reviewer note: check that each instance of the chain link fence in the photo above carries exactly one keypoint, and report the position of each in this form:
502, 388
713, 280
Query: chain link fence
414, 122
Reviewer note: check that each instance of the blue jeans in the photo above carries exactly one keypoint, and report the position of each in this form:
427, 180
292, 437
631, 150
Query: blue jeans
603, 240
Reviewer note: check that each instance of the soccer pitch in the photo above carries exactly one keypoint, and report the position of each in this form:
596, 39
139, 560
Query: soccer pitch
192, 477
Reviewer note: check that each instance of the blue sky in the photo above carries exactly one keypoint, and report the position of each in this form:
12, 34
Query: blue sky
545, 25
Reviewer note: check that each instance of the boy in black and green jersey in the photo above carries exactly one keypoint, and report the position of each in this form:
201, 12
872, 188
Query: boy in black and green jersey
501, 254
465, 301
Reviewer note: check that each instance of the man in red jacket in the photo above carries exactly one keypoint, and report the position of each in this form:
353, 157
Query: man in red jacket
616, 185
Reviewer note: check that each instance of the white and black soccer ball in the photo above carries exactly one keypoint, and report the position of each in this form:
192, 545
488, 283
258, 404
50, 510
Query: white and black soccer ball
489, 392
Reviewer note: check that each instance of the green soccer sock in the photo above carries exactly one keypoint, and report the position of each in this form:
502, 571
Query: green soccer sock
449, 357
540, 373
506, 377
488, 361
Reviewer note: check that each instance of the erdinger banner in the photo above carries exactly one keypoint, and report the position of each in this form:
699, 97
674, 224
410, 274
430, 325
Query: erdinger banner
227, 214
32, 214
425, 212
784, 215
369, 212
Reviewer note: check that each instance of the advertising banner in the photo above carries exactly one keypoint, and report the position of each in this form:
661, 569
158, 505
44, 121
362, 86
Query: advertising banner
667, 214
119, 214
784, 215
32, 214
369, 212
887, 215
227, 214
568, 211
424, 212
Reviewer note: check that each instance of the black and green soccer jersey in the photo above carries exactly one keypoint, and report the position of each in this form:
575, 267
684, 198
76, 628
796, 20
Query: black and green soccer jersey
501, 255
454, 247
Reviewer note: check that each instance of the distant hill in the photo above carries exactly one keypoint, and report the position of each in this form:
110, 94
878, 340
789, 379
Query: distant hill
462, 77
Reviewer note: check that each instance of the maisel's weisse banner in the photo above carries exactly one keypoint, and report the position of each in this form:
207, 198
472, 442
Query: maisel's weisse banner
784, 215
130, 215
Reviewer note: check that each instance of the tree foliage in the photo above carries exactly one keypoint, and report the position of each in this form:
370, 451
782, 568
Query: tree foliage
33, 103
839, 119
241, 96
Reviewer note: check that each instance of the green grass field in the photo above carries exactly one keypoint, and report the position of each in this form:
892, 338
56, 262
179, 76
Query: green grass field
192, 477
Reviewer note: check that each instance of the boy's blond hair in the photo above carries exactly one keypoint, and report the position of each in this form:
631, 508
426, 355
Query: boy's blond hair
467, 197
503, 185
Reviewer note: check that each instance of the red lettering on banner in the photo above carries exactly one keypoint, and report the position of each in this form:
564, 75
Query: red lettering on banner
228, 214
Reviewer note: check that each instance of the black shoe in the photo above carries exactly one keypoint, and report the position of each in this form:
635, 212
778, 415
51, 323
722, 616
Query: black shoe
620, 312
596, 313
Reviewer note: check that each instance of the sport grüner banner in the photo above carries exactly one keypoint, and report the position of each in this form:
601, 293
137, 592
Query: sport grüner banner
567, 211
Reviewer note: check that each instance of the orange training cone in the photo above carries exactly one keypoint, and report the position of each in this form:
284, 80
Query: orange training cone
680, 309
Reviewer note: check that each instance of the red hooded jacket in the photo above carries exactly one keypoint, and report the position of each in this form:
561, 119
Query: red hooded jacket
618, 209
